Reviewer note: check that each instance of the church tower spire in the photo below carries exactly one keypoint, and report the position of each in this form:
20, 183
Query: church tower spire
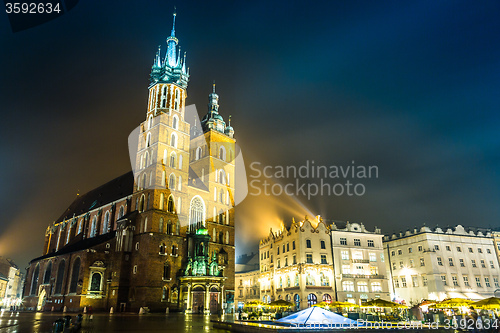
173, 68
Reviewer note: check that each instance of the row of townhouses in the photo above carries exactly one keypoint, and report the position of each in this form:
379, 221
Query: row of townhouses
315, 261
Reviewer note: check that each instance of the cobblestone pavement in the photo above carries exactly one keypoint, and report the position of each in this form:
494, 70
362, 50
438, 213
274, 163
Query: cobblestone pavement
30, 322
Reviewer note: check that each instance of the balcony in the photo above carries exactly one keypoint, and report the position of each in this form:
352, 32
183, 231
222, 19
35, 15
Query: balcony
360, 261
361, 276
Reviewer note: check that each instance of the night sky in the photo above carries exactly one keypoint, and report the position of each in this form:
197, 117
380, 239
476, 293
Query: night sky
411, 87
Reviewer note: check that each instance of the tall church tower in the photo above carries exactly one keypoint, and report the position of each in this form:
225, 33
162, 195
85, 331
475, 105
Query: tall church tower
162, 162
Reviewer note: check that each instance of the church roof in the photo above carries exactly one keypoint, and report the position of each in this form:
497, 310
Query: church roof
113, 190
79, 245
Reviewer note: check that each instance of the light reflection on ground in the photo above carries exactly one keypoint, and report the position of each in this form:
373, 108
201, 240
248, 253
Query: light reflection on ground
30, 322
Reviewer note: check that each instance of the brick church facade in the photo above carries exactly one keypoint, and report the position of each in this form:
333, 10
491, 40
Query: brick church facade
160, 236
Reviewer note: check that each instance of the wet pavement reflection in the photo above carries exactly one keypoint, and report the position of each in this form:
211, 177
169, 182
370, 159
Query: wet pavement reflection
30, 322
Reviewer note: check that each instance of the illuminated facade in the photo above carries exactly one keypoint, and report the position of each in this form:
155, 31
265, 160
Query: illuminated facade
442, 263
161, 236
359, 262
296, 264
11, 274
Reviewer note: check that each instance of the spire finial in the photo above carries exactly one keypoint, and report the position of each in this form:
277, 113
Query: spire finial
213, 87
229, 120
173, 24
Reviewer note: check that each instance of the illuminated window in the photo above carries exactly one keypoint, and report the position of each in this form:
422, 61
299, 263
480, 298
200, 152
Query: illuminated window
363, 287
309, 258
323, 259
403, 282
376, 287
443, 279
466, 280
347, 285
440, 261
414, 281
344, 255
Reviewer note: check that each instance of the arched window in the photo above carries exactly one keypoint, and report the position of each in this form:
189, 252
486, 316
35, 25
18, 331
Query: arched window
311, 300
162, 248
288, 282
174, 250
196, 213
327, 298
172, 159
281, 283
180, 161
226, 217
171, 182
162, 199
48, 273
166, 271
60, 276
144, 181
165, 154
169, 227
148, 142
227, 237
296, 280
296, 298
163, 178
170, 204
121, 212
93, 229
179, 187
221, 237
141, 204
309, 280
177, 227
75, 274
198, 153
34, 280
175, 121
106, 222
173, 140
222, 153
347, 285
146, 159
165, 294
177, 100
150, 122
161, 224
222, 177
95, 282
221, 217
80, 226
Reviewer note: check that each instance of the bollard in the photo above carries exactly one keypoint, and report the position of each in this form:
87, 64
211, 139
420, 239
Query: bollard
111, 311
167, 310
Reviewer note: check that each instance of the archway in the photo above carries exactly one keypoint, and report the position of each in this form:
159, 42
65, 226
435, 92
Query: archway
41, 300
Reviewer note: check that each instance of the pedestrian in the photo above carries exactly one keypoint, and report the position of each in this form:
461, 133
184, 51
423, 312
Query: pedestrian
90, 314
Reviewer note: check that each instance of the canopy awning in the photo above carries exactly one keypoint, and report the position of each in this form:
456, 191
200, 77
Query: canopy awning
316, 316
